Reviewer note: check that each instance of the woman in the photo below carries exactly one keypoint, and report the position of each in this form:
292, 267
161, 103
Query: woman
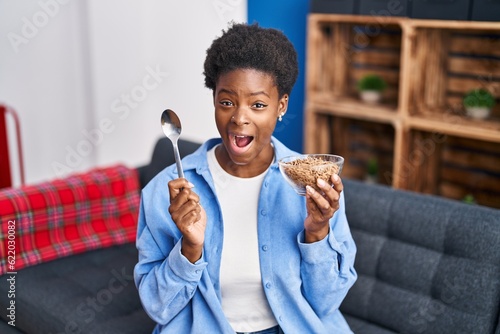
231, 247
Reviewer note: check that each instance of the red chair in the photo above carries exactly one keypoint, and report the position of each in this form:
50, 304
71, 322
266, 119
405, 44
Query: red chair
6, 172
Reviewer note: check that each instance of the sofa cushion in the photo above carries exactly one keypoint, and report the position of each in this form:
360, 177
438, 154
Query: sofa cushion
92, 292
426, 264
359, 326
8, 329
81, 212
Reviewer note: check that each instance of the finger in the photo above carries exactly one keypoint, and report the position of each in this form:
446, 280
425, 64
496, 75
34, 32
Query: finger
192, 216
176, 186
186, 214
187, 222
337, 183
330, 190
182, 198
319, 202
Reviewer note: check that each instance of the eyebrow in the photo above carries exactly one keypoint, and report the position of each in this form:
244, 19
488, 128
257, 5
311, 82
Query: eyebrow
227, 91
231, 92
260, 93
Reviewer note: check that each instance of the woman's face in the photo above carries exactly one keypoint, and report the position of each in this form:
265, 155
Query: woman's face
247, 106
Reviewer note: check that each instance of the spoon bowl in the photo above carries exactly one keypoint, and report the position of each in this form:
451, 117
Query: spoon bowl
172, 128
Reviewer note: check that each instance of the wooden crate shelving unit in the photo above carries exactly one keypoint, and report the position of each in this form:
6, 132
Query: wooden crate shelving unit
419, 133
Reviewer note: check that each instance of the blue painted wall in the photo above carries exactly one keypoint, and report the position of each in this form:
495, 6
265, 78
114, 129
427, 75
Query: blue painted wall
290, 17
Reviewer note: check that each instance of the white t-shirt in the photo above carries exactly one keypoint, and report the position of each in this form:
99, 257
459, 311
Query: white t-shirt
243, 299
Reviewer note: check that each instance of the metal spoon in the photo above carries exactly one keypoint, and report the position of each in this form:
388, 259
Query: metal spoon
171, 126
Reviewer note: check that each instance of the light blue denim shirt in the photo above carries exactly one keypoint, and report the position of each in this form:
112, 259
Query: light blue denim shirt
304, 283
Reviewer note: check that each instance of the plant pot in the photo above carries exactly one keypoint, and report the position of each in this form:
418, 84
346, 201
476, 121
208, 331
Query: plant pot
371, 179
370, 96
478, 112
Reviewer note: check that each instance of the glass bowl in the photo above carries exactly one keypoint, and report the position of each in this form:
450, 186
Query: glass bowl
305, 169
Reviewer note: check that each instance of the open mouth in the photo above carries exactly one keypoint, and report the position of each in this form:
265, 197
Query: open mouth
241, 141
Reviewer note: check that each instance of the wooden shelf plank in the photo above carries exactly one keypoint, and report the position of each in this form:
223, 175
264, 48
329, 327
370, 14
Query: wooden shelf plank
457, 126
352, 108
453, 24
368, 20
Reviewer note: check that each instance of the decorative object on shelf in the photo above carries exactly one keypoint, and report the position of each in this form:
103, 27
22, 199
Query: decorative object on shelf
478, 103
370, 88
469, 199
371, 176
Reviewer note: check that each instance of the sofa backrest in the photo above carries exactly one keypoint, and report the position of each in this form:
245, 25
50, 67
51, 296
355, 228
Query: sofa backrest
163, 156
426, 264
53, 219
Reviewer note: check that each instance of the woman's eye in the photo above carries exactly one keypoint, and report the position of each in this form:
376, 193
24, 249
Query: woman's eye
226, 103
259, 105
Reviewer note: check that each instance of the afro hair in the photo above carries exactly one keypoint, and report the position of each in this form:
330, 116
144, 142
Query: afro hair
244, 46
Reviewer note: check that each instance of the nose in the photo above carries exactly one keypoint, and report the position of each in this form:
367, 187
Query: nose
240, 117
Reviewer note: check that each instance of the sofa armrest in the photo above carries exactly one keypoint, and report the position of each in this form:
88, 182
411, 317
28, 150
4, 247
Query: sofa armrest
67, 216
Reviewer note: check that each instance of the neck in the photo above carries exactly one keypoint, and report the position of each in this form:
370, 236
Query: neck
256, 167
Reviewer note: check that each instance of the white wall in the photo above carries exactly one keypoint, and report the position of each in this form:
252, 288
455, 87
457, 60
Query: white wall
90, 79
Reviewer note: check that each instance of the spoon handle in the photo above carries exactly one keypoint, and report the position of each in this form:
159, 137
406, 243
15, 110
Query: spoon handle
178, 161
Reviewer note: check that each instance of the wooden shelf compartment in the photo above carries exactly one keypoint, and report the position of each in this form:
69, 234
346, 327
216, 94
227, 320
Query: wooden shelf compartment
319, 116
340, 53
447, 63
358, 141
452, 167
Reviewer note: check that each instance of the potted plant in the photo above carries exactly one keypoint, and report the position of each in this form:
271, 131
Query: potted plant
371, 175
370, 88
478, 103
469, 199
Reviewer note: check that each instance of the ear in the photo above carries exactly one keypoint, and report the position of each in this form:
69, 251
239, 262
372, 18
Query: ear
283, 105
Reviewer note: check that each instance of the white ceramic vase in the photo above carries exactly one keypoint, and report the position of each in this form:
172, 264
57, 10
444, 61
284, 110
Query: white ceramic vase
370, 96
478, 112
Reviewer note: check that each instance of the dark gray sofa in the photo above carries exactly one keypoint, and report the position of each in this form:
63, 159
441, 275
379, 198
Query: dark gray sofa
425, 265
93, 292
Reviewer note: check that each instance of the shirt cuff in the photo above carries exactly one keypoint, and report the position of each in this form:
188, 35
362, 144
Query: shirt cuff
319, 251
182, 267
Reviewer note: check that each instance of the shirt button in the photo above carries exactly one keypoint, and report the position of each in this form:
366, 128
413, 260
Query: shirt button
197, 271
265, 248
266, 184
263, 212
268, 285
280, 318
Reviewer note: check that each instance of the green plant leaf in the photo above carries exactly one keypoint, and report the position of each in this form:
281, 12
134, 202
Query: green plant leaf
372, 82
478, 98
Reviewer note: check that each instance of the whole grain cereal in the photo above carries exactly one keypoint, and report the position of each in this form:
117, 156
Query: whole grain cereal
306, 171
